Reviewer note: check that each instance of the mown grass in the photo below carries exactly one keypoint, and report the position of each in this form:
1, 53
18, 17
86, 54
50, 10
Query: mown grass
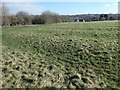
64, 55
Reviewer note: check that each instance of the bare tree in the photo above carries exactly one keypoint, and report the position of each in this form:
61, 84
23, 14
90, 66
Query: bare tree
5, 15
50, 17
23, 18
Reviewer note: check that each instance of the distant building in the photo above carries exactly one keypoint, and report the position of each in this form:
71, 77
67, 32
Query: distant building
79, 20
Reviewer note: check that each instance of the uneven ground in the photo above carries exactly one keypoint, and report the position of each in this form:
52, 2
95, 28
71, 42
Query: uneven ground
66, 55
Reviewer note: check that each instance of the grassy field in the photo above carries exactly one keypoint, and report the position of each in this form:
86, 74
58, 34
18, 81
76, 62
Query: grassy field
64, 55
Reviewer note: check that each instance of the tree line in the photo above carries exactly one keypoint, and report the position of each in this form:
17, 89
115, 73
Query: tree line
23, 18
47, 17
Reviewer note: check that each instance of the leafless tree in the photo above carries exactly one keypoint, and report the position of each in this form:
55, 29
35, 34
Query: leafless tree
23, 18
5, 15
50, 17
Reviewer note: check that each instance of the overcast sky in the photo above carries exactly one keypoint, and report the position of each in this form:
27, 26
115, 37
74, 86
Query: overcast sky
63, 8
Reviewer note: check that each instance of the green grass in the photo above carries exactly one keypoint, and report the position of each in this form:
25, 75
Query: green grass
63, 55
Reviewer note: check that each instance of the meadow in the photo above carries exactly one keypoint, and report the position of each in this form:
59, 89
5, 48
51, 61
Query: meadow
62, 55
